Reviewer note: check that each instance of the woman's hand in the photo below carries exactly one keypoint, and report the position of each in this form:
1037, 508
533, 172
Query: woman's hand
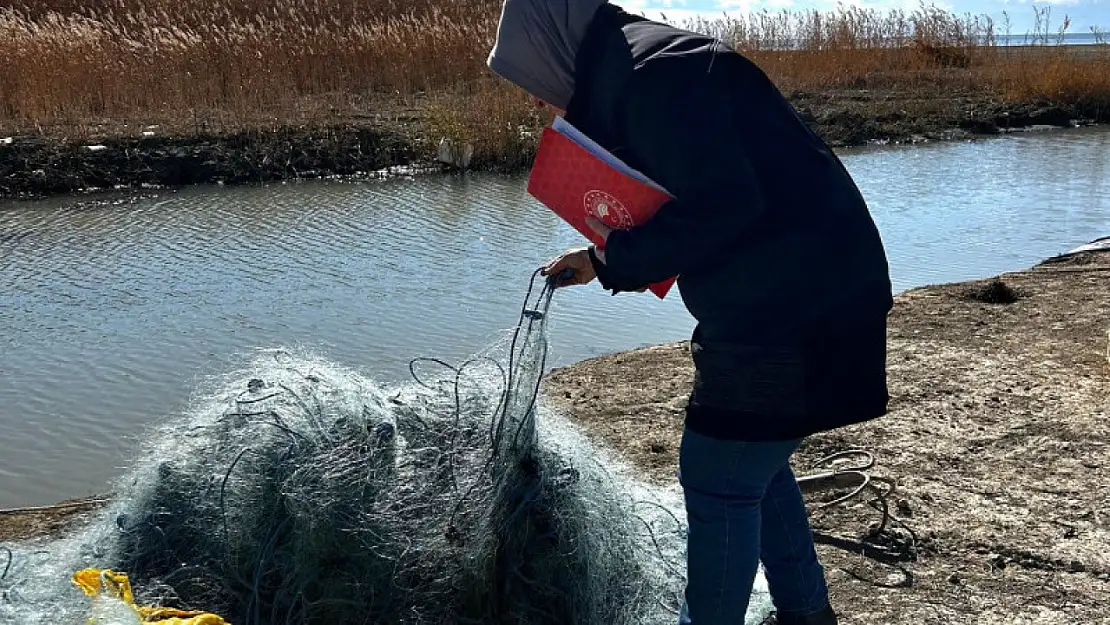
578, 260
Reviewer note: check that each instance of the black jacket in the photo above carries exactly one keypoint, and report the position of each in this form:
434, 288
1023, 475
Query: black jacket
778, 258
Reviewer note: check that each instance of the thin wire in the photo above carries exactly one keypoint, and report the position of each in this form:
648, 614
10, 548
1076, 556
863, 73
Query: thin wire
658, 548
661, 507
8, 564
536, 314
501, 412
223, 495
524, 313
882, 488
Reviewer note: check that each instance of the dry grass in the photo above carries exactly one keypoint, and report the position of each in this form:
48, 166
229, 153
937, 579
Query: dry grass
858, 48
501, 123
246, 63
153, 56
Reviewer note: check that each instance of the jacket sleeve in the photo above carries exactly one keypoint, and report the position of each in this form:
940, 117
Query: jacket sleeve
687, 134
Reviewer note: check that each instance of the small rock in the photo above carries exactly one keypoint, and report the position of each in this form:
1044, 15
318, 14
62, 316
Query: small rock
954, 579
658, 448
7, 140
678, 404
96, 148
1077, 567
904, 508
453, 154
994, 291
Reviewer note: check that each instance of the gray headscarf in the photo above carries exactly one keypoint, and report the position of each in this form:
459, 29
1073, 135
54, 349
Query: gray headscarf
536, 45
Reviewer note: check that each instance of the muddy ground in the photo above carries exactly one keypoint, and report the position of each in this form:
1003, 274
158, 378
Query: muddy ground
47, 165
47, 521
997, 438
59, 161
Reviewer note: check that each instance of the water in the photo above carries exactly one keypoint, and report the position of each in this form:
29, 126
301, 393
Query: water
111, 313
1052, 38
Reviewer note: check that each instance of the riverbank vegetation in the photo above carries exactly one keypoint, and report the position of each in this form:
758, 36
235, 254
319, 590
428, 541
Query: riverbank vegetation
125, 72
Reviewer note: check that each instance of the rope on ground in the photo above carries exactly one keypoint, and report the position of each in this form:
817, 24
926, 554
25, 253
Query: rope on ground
836, 472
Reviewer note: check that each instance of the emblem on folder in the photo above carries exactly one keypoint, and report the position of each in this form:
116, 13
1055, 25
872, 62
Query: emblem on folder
608, 209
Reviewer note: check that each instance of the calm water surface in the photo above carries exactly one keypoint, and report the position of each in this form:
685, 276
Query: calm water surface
109, 313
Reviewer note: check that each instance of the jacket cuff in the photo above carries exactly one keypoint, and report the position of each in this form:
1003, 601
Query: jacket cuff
600, 269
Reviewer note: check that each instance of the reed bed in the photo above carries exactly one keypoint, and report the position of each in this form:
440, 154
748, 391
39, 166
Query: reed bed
151, 56
233, 64
926, 48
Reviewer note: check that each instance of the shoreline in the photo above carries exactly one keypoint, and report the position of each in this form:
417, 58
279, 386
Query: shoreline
48, 165
995, 438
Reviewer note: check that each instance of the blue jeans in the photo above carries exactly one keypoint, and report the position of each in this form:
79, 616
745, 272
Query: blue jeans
743, 505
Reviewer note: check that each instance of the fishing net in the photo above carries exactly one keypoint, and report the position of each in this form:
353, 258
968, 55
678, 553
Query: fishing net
300, 492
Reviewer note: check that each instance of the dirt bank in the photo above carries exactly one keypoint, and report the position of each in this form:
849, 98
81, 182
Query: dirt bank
33, 166
858, 117
52, 161
997, 438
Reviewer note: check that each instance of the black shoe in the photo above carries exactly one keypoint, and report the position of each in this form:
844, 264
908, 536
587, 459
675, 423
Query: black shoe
825, 616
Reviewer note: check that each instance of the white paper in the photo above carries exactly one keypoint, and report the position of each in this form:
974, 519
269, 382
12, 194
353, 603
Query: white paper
566, 129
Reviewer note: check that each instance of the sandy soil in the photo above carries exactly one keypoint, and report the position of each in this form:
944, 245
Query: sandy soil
47, 521
997, 439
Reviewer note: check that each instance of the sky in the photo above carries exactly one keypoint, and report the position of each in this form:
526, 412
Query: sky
1083, 13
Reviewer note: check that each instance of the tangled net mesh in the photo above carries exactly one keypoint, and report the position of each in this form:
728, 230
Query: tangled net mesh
299, 492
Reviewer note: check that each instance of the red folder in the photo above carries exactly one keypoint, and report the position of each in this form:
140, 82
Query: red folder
575, 177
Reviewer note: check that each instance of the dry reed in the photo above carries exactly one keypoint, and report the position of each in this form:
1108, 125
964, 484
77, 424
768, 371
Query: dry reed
245, 63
